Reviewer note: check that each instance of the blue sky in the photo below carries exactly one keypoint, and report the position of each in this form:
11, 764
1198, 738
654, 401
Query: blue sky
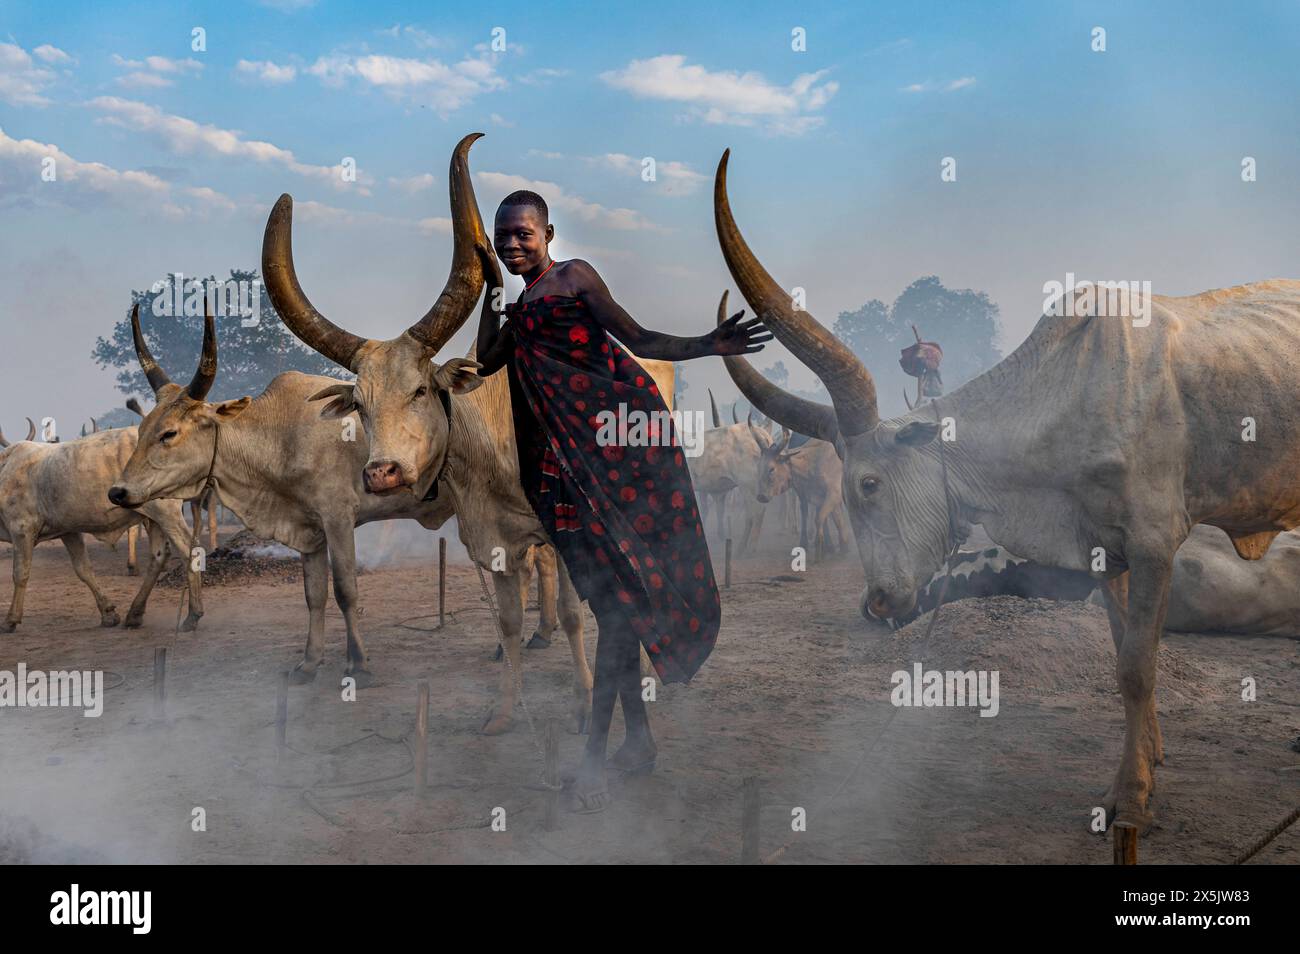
1116, 164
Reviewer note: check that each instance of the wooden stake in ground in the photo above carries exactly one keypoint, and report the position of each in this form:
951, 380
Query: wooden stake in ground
160, 683
552, 754
749, 853
442, 582
727, 577
281, 711
421, 743
1126, 843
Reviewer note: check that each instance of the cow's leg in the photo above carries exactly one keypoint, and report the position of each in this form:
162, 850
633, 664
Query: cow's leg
547, 585
803, 522
23, 544
760, 512
157, 558
1148, 599
720, 501
316, 586
175, 530
510, 594
76, 547
570, 613
212, 524
341, 539
132, 535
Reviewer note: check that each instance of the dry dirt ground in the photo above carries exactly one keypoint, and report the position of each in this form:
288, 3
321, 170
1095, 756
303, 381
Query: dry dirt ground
794, 694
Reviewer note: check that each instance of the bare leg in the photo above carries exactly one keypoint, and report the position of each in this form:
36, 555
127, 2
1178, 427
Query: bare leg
589, 787
638, 751
315, 585
76, 547
570, 612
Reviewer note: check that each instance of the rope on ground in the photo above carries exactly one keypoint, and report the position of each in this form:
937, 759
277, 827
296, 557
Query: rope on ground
1272, 833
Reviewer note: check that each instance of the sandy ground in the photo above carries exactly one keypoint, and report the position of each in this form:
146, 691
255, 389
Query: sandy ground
795, 693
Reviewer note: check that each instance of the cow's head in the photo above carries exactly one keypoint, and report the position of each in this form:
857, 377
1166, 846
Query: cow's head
774, 470
397, 385
177, 438
893, 481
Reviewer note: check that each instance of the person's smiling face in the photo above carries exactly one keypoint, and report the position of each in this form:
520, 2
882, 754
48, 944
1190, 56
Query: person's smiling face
520, 238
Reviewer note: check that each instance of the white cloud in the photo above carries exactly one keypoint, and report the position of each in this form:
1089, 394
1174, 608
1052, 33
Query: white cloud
186, 137
51, 54
77, 183
421, 38
22, 82
412, 184
445, 88
154, 72
264, 71
678, 178
725, 96
930, 87
579, 208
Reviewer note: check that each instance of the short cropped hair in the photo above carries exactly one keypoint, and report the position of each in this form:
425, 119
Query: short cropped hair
525, 197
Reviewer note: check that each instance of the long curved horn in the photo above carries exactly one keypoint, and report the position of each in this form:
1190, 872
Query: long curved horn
156, 375
291, 303
713, 406
793, 413
465, 282
3, 442
852, 390
31, 430
206, 372
907, 399
94, 426
735, 418
133, 405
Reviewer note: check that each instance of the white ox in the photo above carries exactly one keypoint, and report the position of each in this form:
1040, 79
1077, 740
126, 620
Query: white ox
60, 491
1100, 439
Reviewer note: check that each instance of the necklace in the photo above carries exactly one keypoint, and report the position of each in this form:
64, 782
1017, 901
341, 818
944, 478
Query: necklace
529, 286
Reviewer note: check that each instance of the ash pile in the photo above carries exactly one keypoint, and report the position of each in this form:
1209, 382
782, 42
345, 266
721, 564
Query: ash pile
243, 557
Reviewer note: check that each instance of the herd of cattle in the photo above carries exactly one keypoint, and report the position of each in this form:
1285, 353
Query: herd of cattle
1100, 453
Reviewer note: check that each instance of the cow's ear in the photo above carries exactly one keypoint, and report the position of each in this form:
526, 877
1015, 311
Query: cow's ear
459, 376
916, 433
229, 410
344, 402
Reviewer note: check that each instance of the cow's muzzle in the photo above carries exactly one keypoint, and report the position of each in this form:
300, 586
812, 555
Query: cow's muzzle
879, 604
383, 475
120, 497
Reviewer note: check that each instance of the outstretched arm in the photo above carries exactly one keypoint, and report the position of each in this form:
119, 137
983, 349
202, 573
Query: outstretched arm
731, 337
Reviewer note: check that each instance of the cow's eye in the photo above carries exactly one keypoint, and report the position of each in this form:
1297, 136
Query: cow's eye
869, 485
421, 391
167, 436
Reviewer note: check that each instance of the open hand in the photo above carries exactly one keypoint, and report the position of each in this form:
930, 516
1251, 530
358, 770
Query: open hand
736, 337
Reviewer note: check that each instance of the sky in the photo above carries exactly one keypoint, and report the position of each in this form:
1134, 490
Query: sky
1115, 164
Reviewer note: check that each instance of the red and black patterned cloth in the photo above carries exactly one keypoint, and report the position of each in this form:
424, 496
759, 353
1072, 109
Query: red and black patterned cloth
624, 518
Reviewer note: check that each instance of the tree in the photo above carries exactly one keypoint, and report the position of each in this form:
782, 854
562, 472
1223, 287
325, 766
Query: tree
963, 322
249, 357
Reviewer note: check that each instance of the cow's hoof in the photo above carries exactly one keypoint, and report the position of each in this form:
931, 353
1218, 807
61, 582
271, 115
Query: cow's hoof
364, 678
109, 618
538, 641
300, 676
497, 723
133, 621
496, 657
191, 623
1141, 819
8, 627
132, 571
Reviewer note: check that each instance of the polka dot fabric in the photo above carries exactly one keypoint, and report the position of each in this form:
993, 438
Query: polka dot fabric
624, 518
